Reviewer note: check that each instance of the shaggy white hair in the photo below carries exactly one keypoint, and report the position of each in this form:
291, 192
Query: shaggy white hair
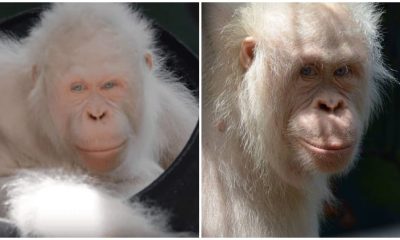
47, 201
244, 190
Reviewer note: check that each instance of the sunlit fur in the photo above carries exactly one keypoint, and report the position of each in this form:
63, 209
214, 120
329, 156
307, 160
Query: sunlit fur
158, 116
253, 183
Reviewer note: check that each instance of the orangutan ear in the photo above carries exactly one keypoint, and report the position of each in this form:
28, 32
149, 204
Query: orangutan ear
149, 60
247, 52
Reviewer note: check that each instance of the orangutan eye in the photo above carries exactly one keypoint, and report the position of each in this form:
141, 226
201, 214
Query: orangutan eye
77, 87
308, 71
342, 71
109, 85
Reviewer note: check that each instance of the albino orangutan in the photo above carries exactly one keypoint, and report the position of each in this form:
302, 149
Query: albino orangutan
288, 90
90, 117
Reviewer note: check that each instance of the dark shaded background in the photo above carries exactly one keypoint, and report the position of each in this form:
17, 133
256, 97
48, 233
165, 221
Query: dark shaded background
181, 19
370, 195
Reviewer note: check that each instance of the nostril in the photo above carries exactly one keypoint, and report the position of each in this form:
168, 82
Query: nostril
338, 106
324, 107
91, 116
102, 115
330, 106
96, 117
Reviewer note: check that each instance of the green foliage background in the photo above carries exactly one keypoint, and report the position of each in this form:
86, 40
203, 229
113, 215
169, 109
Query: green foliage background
369, 196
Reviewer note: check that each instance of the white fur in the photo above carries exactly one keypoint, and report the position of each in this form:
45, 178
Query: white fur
54, 204
249, 188
56, 197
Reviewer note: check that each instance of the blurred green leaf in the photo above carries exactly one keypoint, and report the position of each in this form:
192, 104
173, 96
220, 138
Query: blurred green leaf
380, 182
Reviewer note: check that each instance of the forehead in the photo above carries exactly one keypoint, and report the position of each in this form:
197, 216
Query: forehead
92, 55
315, 30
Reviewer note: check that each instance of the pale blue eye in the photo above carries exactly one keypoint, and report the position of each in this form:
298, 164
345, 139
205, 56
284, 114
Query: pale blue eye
308, 71
109, 85
342, 71
77, 87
